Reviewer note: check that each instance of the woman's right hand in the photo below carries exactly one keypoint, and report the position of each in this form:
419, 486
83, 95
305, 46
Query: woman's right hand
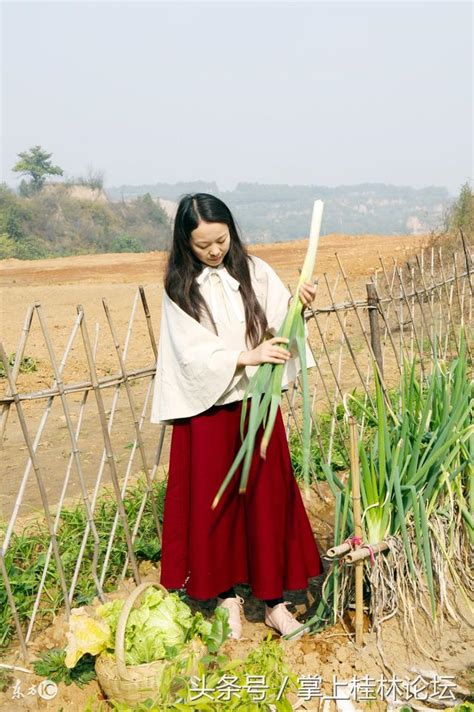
266, 352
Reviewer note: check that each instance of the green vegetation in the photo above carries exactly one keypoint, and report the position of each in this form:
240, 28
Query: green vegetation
417, 489
267, 213
53, 223
26, 555
50, 666
36, 164
264, 388
417, 485
321, 436
461, 214
458, 222
126, 243
227, 682
339, 454
28, 365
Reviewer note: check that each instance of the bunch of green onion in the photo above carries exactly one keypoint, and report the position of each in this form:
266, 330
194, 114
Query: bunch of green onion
264, 387
418, 464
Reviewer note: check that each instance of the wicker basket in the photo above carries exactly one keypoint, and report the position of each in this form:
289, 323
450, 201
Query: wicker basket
133, 683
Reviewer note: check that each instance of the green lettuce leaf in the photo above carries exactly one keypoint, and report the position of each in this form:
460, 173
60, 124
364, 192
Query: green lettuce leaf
220, 630
161, 627
110, 612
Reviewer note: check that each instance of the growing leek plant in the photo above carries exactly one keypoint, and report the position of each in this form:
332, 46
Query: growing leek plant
417, 489
264, 387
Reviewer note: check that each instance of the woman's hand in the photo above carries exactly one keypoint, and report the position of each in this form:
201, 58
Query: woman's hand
266, 352
307, 294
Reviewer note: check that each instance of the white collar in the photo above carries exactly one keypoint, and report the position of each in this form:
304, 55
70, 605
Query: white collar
230, 286
222, 272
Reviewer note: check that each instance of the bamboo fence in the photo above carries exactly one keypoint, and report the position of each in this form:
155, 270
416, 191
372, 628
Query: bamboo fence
407, 312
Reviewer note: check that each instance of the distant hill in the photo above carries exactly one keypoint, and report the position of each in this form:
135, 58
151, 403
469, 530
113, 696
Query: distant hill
69, 219
65, 219
79, 192
275, 213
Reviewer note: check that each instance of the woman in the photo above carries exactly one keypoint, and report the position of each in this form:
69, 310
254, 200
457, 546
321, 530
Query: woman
219, 307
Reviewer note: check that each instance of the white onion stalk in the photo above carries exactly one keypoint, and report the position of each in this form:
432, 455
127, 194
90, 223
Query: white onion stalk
264, 388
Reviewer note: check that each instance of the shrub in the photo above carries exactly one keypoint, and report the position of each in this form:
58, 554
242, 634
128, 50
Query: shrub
126, 243
7, 246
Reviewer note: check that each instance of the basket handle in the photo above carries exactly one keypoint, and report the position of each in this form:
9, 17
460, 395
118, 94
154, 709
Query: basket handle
122, 624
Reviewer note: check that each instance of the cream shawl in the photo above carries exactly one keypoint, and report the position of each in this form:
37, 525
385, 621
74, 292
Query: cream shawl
196, 368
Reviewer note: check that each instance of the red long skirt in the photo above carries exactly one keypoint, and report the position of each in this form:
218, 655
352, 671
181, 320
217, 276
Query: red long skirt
262, 538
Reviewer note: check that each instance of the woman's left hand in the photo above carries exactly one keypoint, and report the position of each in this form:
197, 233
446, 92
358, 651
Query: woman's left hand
307, 293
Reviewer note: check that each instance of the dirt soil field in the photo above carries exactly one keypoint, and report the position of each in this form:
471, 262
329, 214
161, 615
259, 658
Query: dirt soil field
59, 285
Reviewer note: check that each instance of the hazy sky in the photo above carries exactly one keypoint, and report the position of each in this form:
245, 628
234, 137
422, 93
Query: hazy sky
272, 92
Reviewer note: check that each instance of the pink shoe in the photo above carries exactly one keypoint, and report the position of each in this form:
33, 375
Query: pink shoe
234, 607
280, 618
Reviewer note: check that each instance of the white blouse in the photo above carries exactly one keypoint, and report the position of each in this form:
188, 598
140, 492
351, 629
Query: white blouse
197, 368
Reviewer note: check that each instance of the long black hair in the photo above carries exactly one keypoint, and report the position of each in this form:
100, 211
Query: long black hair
183, 265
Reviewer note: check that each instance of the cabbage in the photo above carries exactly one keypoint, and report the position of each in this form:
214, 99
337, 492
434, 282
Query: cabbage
159, 628
161, 622
155, 630
86, 635
110, 612
201, 626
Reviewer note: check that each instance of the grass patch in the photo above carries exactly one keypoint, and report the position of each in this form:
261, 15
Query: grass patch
26, 555
28, 365
51, 666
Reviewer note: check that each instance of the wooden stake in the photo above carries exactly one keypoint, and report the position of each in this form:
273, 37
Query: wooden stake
385, 313
373, 309
377, 356
334, 419
148, 321
462, 324
468, 259
422, 296
324, 349
359, 566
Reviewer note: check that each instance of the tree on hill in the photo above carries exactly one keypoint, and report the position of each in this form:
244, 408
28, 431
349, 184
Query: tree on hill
151, 211
36, 164
457, 232
461, 214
